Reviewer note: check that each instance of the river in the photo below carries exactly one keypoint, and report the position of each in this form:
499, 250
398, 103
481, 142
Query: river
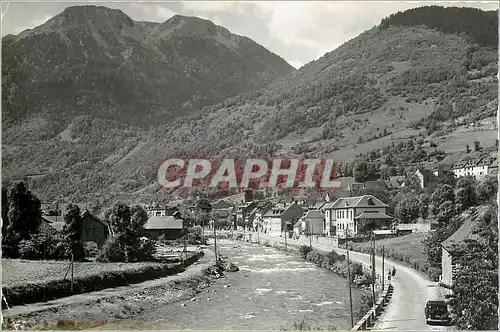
271, 290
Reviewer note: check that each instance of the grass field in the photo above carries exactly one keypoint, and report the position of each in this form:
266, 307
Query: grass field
410, 246
17, 271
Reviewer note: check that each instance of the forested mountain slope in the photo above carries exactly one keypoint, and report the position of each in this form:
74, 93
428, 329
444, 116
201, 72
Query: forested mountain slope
394, 81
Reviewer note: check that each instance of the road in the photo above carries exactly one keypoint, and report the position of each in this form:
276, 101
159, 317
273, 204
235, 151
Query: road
411, 291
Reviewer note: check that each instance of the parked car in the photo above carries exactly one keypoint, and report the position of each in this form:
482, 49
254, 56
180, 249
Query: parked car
436, 312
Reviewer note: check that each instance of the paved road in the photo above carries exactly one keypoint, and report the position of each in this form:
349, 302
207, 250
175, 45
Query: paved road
411, 292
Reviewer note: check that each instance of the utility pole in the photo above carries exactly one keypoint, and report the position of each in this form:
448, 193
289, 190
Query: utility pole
310, 237
215, 241
285, 236
72, 274
373, 269
346, 244
185, 249
350, 292
383, 269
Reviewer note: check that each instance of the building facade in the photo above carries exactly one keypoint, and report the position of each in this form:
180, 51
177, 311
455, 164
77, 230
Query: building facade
348, 216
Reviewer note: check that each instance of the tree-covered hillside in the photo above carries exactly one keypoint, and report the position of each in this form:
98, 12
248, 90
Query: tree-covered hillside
386, 85
481, 26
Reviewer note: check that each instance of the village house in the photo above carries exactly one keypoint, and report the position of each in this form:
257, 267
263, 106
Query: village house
158, 211
242, 215
350, 215
343, 182
465, 231
395, 182
261, 210
424, 177
477, 167
171, 227
280, 215
312, 222
224, 217
93, 228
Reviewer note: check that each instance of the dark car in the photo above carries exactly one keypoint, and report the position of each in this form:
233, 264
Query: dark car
436, 312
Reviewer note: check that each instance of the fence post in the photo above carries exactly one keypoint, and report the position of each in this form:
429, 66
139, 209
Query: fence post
72, 272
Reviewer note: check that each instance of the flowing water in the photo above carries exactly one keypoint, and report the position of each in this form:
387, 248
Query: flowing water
271, 290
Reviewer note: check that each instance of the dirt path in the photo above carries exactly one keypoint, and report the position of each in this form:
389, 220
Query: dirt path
412, 290
95, 308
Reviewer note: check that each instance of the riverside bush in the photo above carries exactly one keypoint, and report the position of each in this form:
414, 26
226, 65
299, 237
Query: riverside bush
304, 250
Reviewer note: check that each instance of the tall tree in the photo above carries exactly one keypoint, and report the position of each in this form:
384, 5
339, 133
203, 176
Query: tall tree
423, 202
407, 209
72, 233
440, 195
466, 193
127, 243
24, 218
360, 172
5, 210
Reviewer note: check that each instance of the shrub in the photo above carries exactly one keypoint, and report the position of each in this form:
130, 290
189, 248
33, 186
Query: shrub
304, 250
112, 251
146, 250
43, 245
91, 249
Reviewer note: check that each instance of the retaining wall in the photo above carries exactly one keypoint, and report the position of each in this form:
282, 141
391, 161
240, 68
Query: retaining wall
371, 316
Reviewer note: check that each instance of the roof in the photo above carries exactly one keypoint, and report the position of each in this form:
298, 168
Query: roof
481, 161
57, 221
221, 204
375, 185
314, 214
319, 205
372, 215
298, 223
278, 211
399, 178
167, 222
393, 184
223, 213
383, 231
465, 231
53, 219
358, 201
87, 213
58, 226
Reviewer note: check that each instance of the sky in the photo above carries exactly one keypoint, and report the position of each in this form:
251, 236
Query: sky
298, 31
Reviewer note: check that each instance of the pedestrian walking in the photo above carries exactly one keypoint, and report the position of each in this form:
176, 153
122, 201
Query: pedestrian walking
393, 271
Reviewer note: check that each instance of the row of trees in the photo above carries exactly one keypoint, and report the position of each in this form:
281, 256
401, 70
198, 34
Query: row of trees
24, 235
448, 199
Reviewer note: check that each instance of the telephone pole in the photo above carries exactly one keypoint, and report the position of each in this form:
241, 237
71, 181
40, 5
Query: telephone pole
285, 236
383, 269
350, 292
373, 269
215, 241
